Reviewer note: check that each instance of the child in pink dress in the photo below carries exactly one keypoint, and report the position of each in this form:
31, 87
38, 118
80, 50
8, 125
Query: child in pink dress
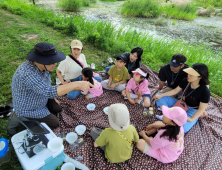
137, 88
168, 143
97, 90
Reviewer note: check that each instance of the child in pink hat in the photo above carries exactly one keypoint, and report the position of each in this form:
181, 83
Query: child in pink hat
168, 143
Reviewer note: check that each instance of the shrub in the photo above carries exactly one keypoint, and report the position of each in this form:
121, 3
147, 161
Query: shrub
183, 11
141, 8
70, 5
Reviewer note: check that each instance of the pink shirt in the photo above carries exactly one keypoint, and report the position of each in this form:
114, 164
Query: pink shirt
164, 150
97, 90
143, 86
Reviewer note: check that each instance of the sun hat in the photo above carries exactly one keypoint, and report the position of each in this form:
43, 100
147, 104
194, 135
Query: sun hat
191, 71
122, 57
45, 53
76, 44
118, 115
175, 63
177, 114
141, 72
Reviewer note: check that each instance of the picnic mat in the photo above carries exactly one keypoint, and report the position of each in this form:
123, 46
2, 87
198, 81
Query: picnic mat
203, 143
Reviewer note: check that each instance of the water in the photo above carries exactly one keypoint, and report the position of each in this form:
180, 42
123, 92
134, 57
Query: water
202, 30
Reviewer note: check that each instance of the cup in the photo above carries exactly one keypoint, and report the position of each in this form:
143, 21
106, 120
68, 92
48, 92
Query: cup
68, 166
71, 137
91, 106
105, 110
93, 66
55, 144
80, 129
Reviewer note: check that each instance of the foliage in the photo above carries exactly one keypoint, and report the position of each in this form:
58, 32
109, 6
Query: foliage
141, 8
70, 5
183, 11
153, 8
109, 0
210, 10
206, 3
106, 37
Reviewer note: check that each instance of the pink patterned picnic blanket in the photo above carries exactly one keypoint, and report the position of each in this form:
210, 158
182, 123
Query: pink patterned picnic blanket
203, 143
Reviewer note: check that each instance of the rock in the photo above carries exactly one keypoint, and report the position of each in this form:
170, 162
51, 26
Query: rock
217, 11
215, 44
202, 12
219, 14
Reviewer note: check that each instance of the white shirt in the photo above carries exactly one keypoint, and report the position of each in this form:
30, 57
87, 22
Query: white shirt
70, 69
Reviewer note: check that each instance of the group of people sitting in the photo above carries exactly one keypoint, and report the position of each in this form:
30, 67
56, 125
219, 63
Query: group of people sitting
34, 98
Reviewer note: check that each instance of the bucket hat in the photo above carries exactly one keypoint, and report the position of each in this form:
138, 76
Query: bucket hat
45, 53
118, 115
76, 44
177, 114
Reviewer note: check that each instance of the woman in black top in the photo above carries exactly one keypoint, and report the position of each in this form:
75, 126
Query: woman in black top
196, 95
133, 59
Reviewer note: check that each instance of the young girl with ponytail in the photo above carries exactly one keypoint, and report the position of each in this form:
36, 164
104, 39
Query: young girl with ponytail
97, 90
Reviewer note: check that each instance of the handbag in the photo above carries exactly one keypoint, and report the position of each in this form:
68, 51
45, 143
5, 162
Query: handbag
181, 103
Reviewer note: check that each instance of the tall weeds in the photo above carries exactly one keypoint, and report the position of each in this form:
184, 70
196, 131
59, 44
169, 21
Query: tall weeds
104, 36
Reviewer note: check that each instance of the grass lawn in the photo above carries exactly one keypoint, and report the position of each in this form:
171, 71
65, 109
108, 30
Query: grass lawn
18, 36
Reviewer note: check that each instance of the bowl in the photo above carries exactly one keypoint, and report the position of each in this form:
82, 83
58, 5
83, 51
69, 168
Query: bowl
55, 144
91, 106
80, 129
71, 137
68, 166
106, 110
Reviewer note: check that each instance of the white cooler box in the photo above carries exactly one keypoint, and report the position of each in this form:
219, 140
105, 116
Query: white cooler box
46, 160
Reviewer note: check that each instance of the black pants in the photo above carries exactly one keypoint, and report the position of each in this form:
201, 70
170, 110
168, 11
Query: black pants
51, 120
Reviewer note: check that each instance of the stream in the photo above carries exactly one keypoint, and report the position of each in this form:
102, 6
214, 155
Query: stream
202, 30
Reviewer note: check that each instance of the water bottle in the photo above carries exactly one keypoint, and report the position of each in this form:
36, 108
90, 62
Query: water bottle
93, 66
77, 144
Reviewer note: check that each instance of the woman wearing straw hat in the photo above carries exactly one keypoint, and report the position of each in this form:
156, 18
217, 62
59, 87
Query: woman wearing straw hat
32, 89
196, 94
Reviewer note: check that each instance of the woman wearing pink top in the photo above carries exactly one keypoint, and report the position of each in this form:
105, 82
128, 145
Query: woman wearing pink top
97, 90
137, 88
168, 143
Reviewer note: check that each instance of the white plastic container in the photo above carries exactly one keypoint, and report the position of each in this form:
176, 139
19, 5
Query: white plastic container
55, 144
46, 160
68, 166
71, 137
80, 129
91, 106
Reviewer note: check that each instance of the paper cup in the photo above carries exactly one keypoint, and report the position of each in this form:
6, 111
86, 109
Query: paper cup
80, 129
68, 166
71, 137
91, 106
55, 144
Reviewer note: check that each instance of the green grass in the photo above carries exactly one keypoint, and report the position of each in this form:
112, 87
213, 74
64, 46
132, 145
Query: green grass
105, 37
206, 3
74, 5
154, 8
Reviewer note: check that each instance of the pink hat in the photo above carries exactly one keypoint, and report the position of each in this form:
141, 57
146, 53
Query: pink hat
177, 114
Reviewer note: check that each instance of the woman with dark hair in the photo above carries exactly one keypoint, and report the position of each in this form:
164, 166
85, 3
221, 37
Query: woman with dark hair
196, 94
133, 59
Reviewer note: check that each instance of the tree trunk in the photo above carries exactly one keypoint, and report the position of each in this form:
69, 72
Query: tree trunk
33, 1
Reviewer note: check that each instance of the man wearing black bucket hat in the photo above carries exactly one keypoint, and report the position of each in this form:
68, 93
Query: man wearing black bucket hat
32, 90
172, 73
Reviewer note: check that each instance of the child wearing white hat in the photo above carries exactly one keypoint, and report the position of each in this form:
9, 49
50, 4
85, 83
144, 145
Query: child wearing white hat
118, 139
